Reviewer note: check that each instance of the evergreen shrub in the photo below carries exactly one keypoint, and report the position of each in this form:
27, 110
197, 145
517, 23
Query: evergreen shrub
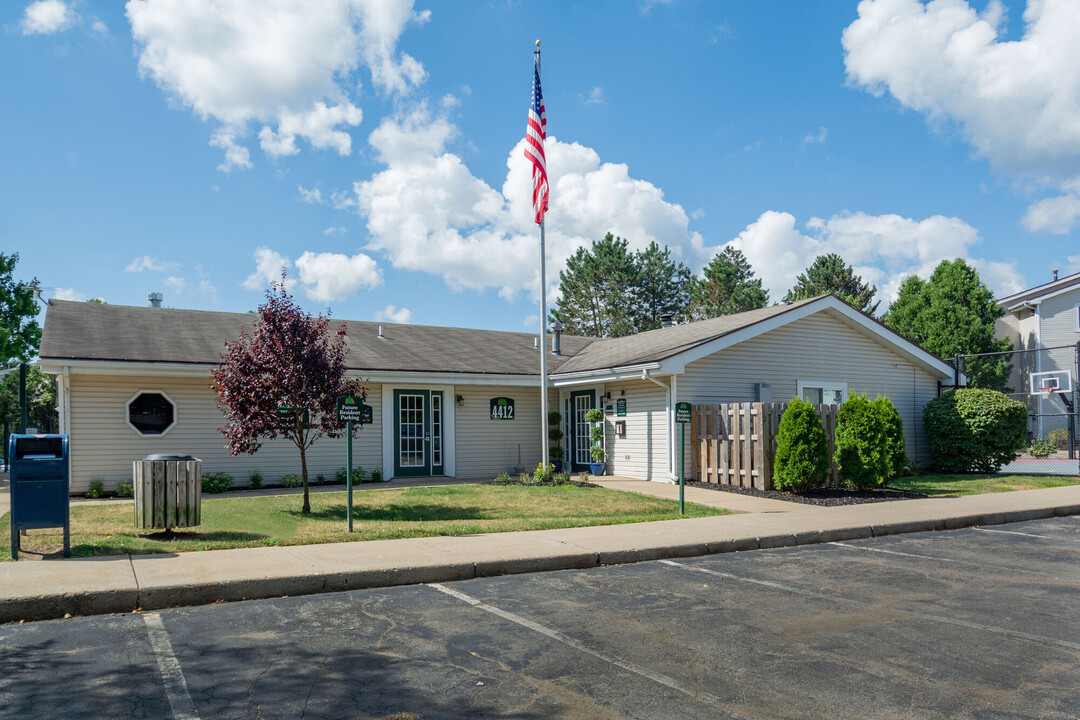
802, 452
972, 430
213, 483
862, 455
895, 445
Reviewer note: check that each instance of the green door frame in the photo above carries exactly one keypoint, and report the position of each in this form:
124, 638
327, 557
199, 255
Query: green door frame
591, 394
428, 468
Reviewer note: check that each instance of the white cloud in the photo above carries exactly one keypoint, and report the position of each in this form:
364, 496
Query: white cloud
1058, 214
46, 17
289, 66
532, 320
883, 249
1016, 102
818, 137
99, 27
427, 212
329, 277
594, 97
394, 314
68, 294
268, 265
313, 196
176, 284
207, 290
147, 262
334, 231
1074, 264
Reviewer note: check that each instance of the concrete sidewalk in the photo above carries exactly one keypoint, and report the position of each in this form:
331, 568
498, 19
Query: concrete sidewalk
40, 590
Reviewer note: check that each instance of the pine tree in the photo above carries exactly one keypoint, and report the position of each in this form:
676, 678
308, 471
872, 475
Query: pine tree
598, 290
728, 287
830, 274
662, 286
950, 314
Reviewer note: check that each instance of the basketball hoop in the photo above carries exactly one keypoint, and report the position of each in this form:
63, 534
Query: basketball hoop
1048, 390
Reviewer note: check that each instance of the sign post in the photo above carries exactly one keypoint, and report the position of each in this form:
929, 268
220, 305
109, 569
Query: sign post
682, 417
351, 409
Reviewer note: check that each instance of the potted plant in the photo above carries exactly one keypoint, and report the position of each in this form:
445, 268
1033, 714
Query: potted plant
555, 435
598, 466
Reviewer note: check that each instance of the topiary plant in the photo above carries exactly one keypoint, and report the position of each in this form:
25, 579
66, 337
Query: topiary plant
802, 452
861, 444
974, 430
895, 445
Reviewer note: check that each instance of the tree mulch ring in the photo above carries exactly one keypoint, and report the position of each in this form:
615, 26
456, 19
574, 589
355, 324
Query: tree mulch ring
823, 496
549, 483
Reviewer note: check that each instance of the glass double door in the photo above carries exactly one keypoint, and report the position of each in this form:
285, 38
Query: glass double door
418, 432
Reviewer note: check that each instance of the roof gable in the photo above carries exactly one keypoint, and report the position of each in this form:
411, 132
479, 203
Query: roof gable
1041, 292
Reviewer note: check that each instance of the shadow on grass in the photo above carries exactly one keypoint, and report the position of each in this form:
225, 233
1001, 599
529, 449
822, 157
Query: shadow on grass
195, 535
399, 513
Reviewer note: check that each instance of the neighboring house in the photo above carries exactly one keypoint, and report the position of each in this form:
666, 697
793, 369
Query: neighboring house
135, 380
1045, 318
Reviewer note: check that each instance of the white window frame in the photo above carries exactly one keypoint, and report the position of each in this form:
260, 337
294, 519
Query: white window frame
800, 385
1076, 316
140, 433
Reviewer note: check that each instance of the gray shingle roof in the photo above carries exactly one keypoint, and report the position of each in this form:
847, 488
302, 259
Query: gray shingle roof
92, 331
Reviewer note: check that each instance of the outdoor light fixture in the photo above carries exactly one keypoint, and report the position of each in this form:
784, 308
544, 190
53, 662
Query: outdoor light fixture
460, 400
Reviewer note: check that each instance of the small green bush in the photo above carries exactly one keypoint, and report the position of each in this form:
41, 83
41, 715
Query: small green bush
503, 478
556, 453
320, 479
1042, 448
594, 415
1059, 437
970, 430
213, 483
583, 477
376, 475
598, 454
526, 479
861, 444
292, 480
543, 473
124, 489
561, 478
895, 446
357, 475
255, 479
802, 451
97, 488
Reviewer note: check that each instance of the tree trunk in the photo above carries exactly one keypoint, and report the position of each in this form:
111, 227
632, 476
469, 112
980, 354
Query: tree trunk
303, 469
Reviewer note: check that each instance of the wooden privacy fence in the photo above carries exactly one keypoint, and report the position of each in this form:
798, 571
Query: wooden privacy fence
735, 443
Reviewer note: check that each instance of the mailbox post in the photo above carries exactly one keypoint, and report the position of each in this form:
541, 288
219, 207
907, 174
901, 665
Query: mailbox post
40, 483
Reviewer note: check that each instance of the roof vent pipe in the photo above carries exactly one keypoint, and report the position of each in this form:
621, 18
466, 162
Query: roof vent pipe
536, 343
381, 336
1055, 274
667, 320
155, 299
556, 338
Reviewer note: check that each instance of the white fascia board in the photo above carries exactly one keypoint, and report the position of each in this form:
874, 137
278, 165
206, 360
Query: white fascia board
588, 377
1068, 283
677, 363
448, 378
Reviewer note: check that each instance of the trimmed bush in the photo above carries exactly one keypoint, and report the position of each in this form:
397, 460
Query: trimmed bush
254, 480
861, 445
1041, 449
213, 483
975, 431
292, 480
97, 488
802, 452
895, 445
124, 489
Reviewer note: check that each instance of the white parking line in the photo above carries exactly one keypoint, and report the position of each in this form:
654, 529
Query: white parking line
909, 613
897, 552
577, 645
1031, 535
176, 689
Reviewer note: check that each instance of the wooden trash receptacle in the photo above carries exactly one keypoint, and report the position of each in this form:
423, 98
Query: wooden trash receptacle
168, 492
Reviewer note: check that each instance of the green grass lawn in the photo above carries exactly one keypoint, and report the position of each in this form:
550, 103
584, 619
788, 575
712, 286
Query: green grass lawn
377, 515
953, 485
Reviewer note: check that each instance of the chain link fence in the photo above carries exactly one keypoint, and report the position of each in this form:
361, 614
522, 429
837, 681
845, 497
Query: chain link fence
1045, 380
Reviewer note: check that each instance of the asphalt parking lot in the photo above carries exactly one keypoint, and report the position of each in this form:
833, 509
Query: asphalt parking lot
974, 623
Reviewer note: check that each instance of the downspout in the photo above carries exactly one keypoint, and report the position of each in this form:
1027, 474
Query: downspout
1038, 360
670, 416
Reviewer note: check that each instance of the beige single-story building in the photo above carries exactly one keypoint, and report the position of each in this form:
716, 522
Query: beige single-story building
135, 380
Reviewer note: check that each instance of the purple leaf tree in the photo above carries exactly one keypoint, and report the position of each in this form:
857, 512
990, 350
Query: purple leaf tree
289, 358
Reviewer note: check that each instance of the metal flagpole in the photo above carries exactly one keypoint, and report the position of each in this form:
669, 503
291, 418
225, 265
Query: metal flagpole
544, 458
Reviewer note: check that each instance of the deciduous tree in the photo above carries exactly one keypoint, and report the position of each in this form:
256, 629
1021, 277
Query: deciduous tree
830, 274
20, 332
289, 358
728, 287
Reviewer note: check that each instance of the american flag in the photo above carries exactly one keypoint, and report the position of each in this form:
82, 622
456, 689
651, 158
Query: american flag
535, 133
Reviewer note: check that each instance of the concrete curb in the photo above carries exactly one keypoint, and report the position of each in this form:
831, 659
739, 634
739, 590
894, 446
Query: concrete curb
123, 584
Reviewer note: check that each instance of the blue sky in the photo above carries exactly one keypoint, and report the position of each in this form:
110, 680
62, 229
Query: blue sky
192, 148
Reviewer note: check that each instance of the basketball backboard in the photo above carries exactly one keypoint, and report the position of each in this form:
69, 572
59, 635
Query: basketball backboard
1051, 381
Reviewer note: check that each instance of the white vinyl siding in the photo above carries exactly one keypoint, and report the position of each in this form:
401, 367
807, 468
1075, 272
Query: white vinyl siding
103, 445
1059, 318
487, 447
643, 452
823, 348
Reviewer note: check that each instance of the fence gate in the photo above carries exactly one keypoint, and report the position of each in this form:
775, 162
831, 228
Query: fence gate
1045, 380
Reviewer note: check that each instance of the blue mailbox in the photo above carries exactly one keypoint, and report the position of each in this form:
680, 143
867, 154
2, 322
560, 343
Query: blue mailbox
40, 483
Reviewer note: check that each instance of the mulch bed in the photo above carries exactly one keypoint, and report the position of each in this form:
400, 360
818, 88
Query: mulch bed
825, 496
549, 483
